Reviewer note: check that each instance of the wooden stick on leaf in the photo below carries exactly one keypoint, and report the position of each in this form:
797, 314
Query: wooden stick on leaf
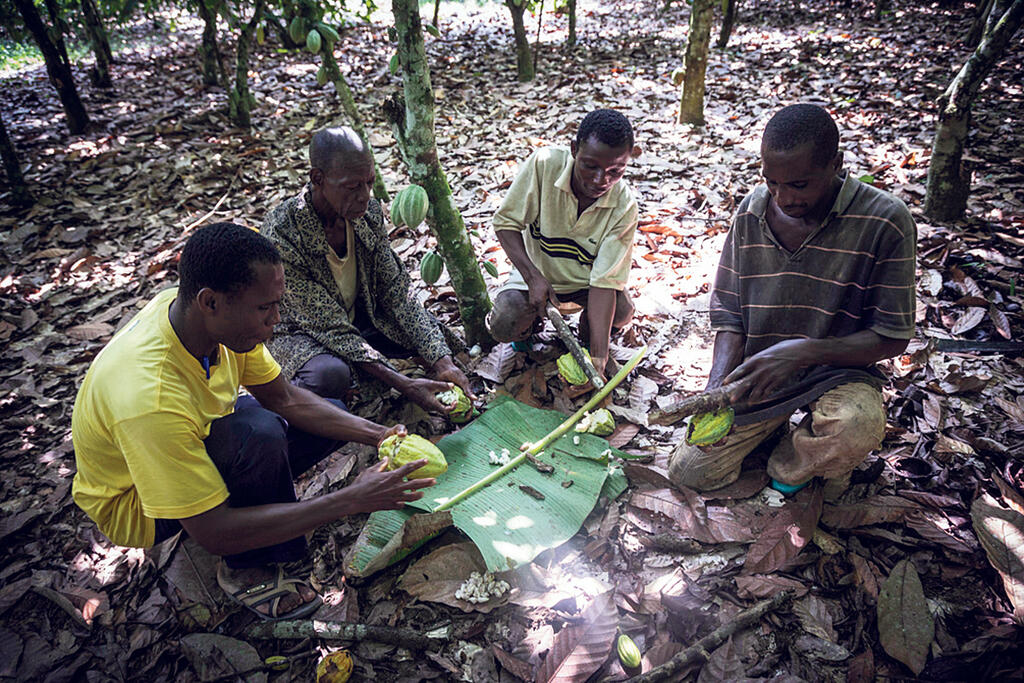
707, 402
535, 448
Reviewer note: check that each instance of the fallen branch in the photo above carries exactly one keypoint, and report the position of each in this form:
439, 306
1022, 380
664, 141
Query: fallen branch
337, 630
716, 399
701, 650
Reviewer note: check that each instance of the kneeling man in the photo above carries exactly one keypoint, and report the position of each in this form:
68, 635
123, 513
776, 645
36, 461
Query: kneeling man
815, 285
163, 441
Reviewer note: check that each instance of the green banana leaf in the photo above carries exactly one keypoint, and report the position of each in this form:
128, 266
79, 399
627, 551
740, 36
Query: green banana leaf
507, 524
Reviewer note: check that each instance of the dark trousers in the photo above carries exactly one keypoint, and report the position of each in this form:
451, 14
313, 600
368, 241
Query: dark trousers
258, 455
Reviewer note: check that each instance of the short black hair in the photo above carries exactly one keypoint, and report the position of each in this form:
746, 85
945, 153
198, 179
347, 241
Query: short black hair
608, 126
332, 148
219, 256
800, 124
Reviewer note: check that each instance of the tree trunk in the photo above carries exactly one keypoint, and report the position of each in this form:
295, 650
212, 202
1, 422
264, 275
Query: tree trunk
979, 24
571, 40
210, 60
729, 8
241, 101
881, 7
60, 28
412, 118
948, 179
19, 190
348, 104
437, 9
58, 71
695, 63
99, 41
524, 63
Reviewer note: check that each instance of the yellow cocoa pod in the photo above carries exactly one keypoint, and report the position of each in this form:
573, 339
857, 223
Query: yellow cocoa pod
600, 422
708, 428
334, 668
629, 653
404, 450
570, 370
463, 410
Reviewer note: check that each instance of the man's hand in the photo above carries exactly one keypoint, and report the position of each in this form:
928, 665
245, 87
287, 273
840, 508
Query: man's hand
400, 430
423, 392
540, 294
377, 489
764, 372
446, 370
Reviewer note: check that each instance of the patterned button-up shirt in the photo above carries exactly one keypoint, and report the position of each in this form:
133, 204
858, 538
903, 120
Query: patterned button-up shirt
313, 318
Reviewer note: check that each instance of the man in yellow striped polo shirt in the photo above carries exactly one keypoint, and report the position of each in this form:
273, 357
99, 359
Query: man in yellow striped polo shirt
567, 224
815, 285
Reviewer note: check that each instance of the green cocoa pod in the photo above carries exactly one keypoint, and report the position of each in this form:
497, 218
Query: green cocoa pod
313, 41
600, 422
396, 213
463, 410
570, 370
297, 29
328, 32
431, 267
321, 75
412, 203
629, 653
403, 450
708, 428
394, 64
261, 35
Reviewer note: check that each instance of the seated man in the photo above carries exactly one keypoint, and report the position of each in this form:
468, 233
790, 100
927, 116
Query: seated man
567, 224
347, 302
815, 285
163, 442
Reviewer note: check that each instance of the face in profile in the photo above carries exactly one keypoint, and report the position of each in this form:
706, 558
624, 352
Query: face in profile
244, 319
347, 189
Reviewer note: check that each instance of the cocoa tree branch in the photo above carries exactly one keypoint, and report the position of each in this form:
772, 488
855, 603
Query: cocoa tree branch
701, 650
337, 630
709, 401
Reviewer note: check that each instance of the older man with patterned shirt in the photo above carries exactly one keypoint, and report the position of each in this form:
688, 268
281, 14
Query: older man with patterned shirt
347, 301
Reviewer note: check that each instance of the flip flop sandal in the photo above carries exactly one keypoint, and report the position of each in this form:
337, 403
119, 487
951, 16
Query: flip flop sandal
270, 592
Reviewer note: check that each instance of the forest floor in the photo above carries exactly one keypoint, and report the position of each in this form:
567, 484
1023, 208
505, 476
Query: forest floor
667, 567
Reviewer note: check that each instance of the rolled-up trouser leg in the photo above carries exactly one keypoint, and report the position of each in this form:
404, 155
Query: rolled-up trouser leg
512, 318
257, 455
844, 425
325, 375
712, 467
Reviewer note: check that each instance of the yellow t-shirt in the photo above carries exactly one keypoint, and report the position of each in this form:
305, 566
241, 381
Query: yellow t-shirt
573, 253
139, 422
345, 272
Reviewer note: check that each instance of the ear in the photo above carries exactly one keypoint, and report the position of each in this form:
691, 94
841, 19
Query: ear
207, 301
316, 176
837, 162
573, 147
636, 152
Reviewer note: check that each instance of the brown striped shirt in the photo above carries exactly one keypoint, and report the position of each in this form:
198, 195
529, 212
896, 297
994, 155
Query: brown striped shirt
855, 272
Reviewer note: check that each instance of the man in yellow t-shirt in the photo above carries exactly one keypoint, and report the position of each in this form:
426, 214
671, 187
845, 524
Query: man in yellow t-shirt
567, 224
163, 441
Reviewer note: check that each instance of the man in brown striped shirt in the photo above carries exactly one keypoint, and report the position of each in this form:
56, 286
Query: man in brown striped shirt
815, 285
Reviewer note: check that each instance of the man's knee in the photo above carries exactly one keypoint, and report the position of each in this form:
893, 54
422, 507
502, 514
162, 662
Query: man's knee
511, 318
694, 468
325, 375
250, 435
853, 413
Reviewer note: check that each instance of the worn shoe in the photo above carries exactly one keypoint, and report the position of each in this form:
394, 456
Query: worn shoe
787, 489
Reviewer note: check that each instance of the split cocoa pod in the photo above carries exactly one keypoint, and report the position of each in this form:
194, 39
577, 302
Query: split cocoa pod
463, 410
401, 451
709, 428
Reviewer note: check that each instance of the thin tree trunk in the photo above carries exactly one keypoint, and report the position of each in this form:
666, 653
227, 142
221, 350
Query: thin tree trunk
437, 9
729, 9
210, 61
695, 63
571, 40
536, 40
999, 8
524, 64
60, 28
881, 7
19, 190
58, 71
99, 41
241, 101
412, 118
979, 24
348, 104
948, 179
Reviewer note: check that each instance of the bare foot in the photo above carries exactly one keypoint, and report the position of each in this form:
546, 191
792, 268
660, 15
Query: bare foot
233, 580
